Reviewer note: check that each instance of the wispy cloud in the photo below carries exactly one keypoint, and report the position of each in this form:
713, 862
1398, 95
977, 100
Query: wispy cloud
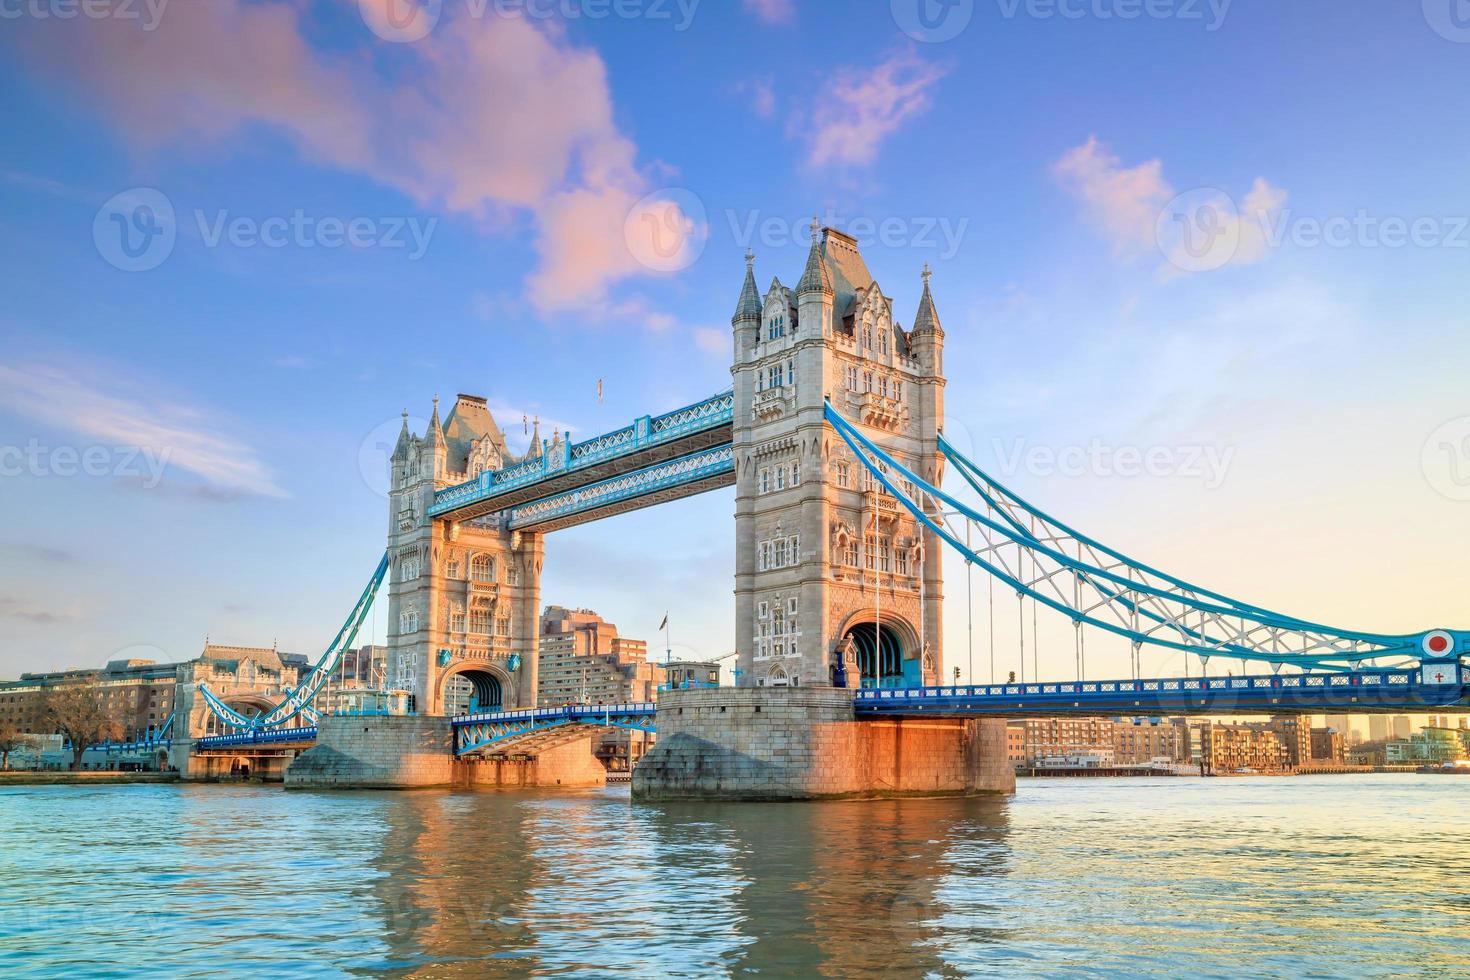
1128, 203
179, 435
505, 117
20, 609
859, 108
29, 551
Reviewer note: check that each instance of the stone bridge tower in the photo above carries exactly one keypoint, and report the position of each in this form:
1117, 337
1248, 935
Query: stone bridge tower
463, 597
836, 583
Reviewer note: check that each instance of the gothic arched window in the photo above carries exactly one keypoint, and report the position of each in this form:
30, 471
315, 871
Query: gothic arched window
482, 569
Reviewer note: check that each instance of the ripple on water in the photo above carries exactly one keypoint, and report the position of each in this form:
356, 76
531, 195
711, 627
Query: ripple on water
1360, 875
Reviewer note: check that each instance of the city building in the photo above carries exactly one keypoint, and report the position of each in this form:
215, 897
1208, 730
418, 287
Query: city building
1379, 729
1140, 741
1329, 745
583, 660
1237, 748
1067, 742
1432, 745
1016, 744
146, 694
1402, 726
1295, 732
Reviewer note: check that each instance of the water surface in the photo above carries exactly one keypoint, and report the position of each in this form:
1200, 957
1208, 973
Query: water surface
1310, 876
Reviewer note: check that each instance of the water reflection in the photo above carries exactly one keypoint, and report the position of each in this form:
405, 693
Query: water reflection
1361, 875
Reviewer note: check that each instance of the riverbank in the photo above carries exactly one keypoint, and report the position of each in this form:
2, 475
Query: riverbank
66, 777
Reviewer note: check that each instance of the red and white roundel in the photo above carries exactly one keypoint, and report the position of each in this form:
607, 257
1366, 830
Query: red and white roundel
1438, 643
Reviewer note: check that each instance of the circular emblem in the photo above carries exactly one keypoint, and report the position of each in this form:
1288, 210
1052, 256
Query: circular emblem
1438, 643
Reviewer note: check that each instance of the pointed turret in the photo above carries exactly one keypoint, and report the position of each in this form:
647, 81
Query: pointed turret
400, 451
434, 437
815, 278
927, 319
534, 450
749, 307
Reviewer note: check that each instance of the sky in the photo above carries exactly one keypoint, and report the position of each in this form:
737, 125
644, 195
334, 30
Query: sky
240, 238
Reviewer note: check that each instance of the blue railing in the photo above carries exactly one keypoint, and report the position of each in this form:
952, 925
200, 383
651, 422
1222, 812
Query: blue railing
644, 433
575, 712
1343, 692
263, 737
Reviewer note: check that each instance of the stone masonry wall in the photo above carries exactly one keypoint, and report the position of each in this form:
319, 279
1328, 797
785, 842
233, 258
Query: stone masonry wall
376, 753
567, 764
803, 743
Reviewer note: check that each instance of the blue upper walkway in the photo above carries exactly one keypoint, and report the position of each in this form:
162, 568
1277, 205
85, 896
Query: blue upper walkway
657, 456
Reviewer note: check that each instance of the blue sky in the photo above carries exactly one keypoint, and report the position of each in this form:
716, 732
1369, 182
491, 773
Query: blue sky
1027, 159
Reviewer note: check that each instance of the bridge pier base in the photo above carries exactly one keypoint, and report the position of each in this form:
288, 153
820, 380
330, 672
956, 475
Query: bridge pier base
417, 752
804, 743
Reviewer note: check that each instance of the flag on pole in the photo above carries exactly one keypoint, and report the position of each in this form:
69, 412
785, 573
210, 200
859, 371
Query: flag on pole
665, 622
599, 391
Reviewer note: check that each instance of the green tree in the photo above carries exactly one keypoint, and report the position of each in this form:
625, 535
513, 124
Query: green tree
80, 712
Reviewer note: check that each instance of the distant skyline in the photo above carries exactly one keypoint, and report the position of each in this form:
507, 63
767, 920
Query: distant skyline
1202, 277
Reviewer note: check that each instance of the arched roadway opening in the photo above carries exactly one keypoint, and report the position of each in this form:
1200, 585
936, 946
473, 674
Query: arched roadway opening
472, 688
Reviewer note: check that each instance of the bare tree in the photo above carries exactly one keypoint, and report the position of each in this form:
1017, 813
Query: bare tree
80, 712
12, 739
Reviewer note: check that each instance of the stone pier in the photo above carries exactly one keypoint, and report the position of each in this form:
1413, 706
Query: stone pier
803, 743
417, 752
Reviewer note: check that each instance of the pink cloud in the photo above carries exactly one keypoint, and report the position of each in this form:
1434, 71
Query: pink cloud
1124, 201
772, 11
859, 108
501, 118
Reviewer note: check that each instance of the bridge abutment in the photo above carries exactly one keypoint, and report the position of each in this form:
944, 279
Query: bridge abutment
804, 743
417, 752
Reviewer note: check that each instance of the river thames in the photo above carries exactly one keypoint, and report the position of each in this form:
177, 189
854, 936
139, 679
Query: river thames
1284, 877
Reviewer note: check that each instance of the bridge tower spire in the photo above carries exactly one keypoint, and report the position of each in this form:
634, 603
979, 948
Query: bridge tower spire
830, 575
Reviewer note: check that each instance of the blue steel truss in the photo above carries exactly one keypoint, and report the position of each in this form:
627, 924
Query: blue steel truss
684, 471
160, 737
299, 701
501, 729
275, 736
1098, 586
645, 433
1339, 693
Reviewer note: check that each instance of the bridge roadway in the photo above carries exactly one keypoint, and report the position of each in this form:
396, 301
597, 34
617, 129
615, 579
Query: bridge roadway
640, 450
1364, 692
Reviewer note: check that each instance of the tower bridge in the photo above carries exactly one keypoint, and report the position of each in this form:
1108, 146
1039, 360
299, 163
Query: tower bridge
831, 437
